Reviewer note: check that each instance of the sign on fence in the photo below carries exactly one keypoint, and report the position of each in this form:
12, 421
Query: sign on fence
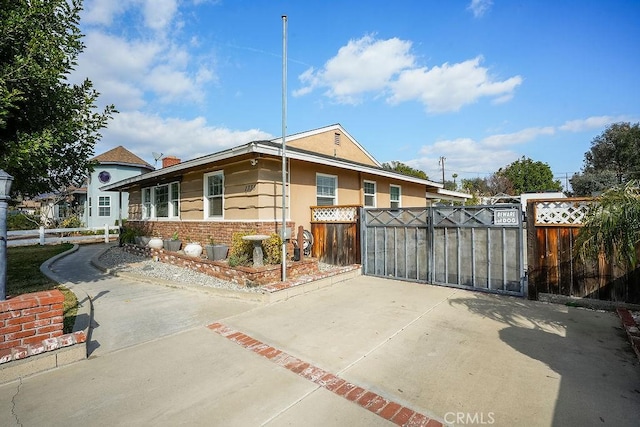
506, 217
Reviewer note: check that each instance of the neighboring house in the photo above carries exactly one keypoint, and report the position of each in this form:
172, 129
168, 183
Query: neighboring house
240, 189
107, 207
56, 207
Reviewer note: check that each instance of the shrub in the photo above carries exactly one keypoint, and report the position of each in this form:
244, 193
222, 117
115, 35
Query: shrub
72, 222
22, 221
272, 248
239, 260
240, 247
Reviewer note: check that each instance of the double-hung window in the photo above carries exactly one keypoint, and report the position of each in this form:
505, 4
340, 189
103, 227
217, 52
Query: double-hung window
394, 196
214, 195
369, 194
161, 201
104, 206
326, 190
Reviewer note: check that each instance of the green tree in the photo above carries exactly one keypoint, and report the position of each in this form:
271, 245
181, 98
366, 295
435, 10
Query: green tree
613, 159
527, 176
591, 182
404, 169
612, 225
48, 126
476, 186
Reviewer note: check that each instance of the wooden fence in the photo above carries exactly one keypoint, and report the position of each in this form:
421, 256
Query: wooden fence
554, 264
336, 234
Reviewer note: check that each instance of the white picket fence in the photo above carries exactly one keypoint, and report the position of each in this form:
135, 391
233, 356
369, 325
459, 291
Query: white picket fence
50, 236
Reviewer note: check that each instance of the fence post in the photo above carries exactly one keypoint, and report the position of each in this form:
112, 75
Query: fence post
106, 233
41, 235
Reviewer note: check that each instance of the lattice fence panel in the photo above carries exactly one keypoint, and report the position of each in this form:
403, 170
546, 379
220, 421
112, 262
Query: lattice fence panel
558, 212
335, 214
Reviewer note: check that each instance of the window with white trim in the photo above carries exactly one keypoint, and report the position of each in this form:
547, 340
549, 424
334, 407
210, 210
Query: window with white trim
161, 201
214, 195
394, 196
326, 190
369, 194
104, 205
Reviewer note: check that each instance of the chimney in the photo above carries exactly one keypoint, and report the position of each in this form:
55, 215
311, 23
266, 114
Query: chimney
170, 161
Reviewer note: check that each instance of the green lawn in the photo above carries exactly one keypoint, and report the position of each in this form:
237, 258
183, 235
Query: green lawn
24, 276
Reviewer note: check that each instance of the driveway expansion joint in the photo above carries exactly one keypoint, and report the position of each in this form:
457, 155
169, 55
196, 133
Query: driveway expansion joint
367, 399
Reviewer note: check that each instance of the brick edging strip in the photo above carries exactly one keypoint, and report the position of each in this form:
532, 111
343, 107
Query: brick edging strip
387, 409
632, 329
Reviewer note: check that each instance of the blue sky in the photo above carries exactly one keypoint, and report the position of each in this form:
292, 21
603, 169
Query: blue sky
481, 83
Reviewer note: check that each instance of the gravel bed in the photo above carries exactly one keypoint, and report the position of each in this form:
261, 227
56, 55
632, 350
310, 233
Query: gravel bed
118, 259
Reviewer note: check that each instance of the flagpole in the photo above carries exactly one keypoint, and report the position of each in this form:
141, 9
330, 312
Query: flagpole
284, 147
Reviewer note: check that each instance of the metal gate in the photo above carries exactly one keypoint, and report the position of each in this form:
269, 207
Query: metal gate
472, 247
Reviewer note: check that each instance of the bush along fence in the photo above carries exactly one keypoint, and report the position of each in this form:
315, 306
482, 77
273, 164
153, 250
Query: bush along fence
556, 268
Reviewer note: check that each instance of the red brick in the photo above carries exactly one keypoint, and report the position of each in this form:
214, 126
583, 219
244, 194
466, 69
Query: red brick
216, 326
49, 329
35, 339
345, 389
17, 304
36, 348
355, 394
402, 416
56, 333
19, 335
377, 404
80, 336
47, 314
51, 299
257, 348
366, 399
335, 384
10, 329
6, 355
51, 344
10, 344
417, 420
390, 410
20, 352
59, 307
34, 310
434, 423
20, 320
234, 335
299, 368
67, 340
37, 324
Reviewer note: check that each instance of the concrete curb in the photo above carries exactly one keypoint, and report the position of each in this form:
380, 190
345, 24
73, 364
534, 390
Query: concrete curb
31, 365
632, 329
270, 294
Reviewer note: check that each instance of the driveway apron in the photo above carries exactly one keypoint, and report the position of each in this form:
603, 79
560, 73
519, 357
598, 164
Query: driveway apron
128, 312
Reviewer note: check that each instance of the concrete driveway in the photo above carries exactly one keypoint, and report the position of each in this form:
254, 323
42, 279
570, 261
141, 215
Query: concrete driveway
455, 356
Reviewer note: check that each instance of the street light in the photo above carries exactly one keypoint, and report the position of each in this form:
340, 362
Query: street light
5, 189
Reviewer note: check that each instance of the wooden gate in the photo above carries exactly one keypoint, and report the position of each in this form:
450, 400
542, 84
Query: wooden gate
336, 234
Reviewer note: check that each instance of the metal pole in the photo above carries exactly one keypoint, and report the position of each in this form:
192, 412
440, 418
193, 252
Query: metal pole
5, 191
3, 248
284, 147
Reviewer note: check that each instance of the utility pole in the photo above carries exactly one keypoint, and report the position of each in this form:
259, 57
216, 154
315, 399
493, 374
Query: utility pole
441, 163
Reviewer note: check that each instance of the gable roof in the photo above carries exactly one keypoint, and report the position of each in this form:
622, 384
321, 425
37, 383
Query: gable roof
270, 148
121, 156
337, 127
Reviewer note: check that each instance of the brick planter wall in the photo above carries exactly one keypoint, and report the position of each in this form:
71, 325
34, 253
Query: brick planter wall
31, 324
244, 276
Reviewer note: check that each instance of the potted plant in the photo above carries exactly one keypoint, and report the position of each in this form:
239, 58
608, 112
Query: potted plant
216, 251
173, 244
193, 249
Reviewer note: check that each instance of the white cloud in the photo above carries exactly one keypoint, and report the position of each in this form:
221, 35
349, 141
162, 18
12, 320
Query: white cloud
479, 7
594, 122
520, 137
158, 14
387, 67
363, 65
186, 139
102, 12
